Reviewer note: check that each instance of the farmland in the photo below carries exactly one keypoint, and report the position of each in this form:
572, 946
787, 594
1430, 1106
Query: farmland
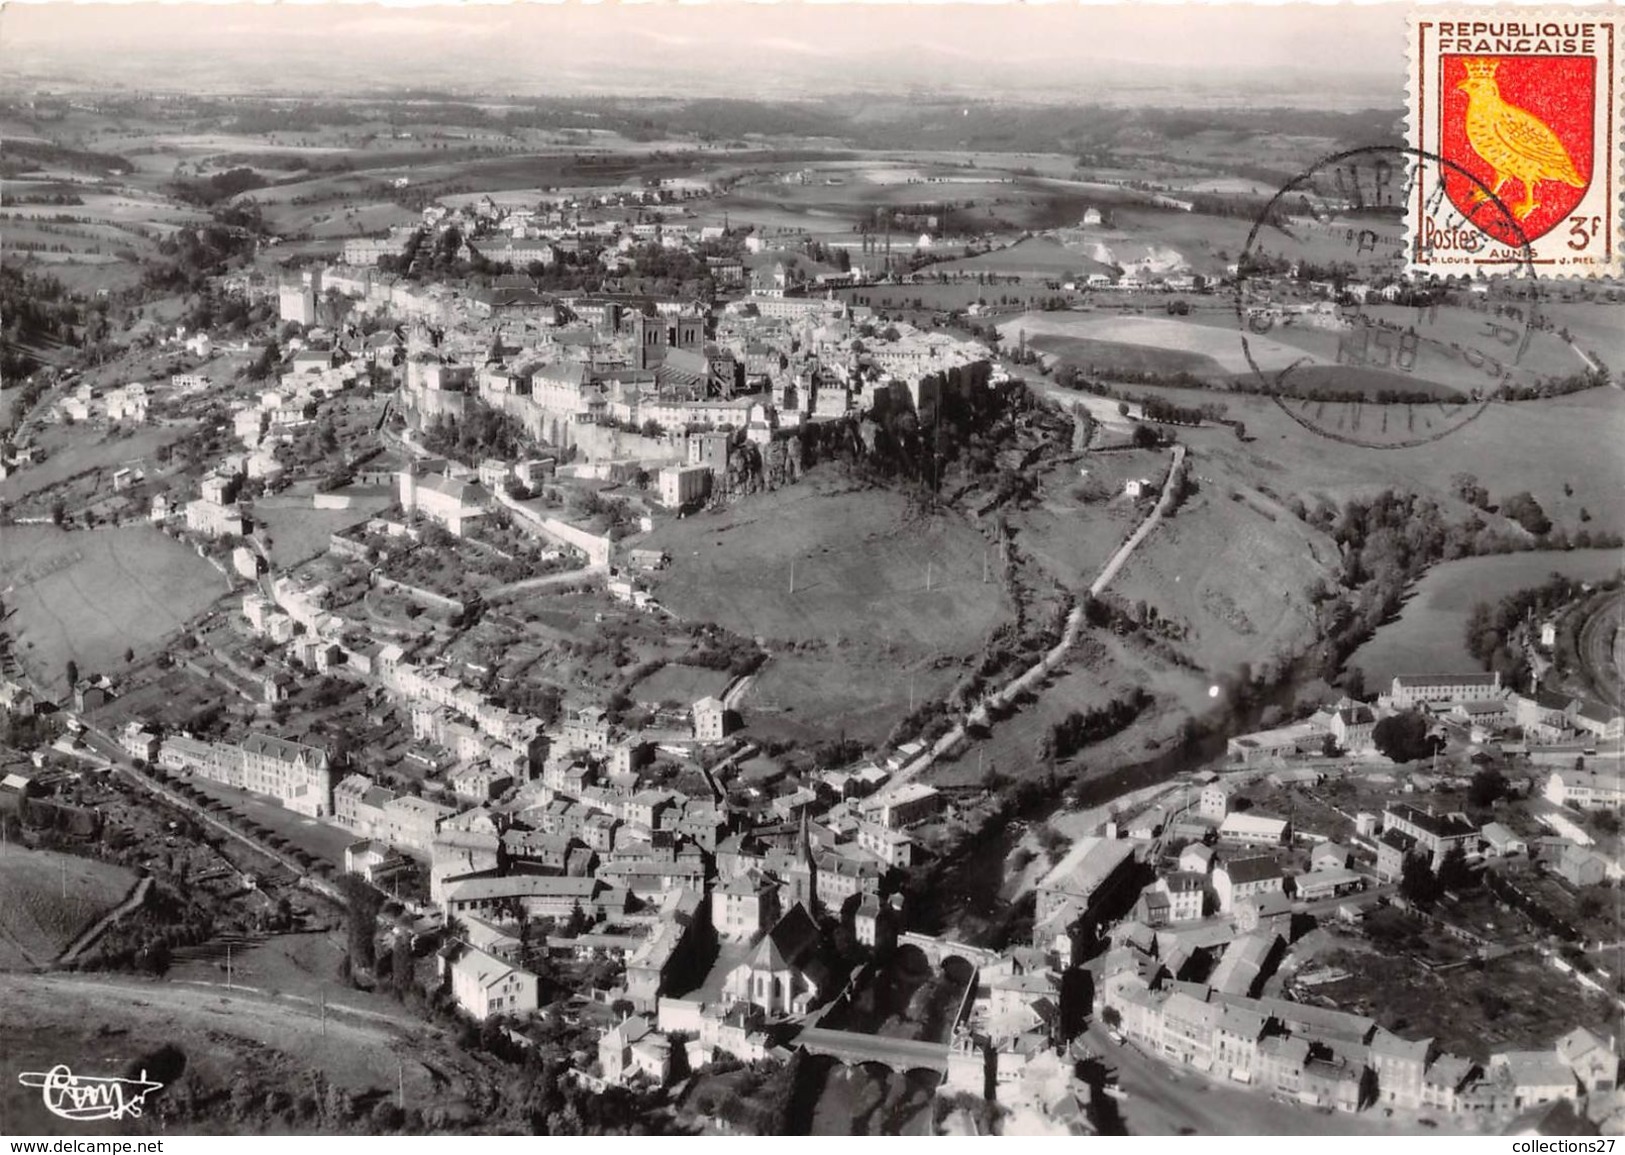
90, 595
49, 898
1430, 633
73, 451
1570, 439
1161, 344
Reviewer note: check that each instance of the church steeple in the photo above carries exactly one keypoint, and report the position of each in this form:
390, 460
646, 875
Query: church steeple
804, 871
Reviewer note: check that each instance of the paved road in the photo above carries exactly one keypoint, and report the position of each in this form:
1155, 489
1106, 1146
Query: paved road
1165, 1099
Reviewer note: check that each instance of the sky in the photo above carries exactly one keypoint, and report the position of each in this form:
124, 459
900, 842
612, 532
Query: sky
723, 47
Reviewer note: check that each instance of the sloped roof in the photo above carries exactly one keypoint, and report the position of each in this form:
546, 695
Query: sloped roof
1253, 868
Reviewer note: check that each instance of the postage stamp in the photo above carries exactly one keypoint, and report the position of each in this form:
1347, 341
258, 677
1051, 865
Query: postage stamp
1521, 111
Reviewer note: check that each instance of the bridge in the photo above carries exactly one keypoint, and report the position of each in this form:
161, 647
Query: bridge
898, 1054
940, 950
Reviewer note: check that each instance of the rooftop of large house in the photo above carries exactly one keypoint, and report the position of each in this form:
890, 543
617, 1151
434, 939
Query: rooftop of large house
1253, 868
525, 886
1087, 866
1534, 1068
1452, 825
486, 969
1461, 681
1389, 1045
1252, 824
282, 749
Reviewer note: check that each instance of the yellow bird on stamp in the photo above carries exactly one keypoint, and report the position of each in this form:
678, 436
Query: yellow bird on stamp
1514, 142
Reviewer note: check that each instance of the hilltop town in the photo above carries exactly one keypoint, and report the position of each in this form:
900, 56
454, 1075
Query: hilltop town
717, 683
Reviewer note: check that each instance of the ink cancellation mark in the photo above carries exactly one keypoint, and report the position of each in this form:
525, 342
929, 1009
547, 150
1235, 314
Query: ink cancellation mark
1343, 336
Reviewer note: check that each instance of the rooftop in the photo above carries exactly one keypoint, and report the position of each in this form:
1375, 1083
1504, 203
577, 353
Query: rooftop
1089, 863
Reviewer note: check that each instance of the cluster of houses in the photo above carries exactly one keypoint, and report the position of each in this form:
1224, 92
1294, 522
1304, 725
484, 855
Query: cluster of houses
1328, 1058
1549, 726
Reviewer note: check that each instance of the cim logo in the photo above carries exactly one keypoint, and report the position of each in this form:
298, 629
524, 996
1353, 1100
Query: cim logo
85, 1099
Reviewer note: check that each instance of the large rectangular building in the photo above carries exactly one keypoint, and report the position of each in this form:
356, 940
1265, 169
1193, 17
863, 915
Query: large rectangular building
1411, 690
298, 776
1087, 877
683, 485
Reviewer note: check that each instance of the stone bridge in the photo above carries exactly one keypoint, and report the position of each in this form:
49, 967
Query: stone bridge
900, 1055
939, 950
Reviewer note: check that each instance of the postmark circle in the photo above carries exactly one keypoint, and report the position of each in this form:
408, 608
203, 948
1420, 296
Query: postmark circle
1340, 335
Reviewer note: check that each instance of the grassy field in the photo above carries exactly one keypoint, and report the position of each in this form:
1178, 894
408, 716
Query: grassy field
1095, 357
810, 697
90, 595
1036, 258
679, 683
73, 450
298, 531
1429, 634
1212, 338
37, 919
1233, 568
867, 568
878, 590
1571, 439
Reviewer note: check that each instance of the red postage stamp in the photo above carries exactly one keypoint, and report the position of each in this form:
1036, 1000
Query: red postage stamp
1514, 122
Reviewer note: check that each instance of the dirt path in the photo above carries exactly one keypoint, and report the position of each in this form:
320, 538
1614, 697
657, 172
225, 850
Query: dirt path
137, 895
981, 713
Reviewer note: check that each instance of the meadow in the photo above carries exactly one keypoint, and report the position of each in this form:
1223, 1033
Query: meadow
878, 588
1204, 335
681, 684
49, 898
1429, 634
863, 560
72, 450
89, 596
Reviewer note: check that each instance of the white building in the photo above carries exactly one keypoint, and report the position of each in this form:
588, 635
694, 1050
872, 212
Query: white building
484, 985
682, 485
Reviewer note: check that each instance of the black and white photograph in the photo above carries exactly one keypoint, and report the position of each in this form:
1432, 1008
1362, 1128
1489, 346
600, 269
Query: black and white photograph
614, 571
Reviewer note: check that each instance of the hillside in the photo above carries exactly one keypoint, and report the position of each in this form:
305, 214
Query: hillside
49, 898
241, 1061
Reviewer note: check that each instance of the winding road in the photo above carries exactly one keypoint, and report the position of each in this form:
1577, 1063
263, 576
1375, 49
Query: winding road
1001, 698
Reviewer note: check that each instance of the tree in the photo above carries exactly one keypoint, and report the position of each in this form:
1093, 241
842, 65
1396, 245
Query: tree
129, 654
364, 903
1145, 437
1488, 786
1453, 872
1404, 737
73, 672
1466, 487
1417, 882
1354, 682
1526, 511
1051, 840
